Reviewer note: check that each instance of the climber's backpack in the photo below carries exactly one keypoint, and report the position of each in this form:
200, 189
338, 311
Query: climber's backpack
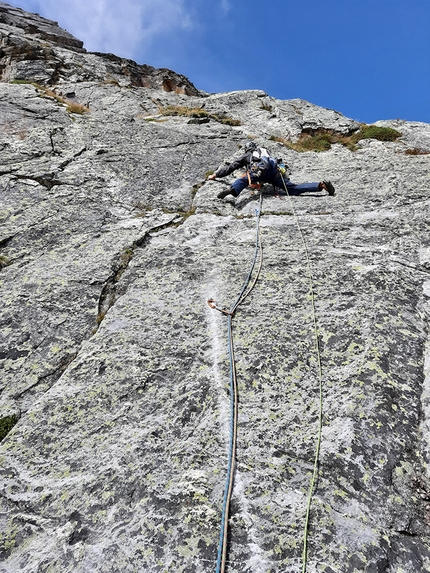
262, 165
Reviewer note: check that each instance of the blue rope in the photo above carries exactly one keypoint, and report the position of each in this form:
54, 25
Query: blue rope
222, 546
231, 458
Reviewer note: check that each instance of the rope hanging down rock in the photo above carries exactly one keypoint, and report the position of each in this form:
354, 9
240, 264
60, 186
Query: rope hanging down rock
246, 289
320, 386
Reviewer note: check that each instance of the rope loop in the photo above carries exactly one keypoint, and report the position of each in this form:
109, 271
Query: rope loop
213, 304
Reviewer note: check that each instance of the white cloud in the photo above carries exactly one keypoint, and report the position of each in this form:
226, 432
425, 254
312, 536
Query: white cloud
122, 27
225, 6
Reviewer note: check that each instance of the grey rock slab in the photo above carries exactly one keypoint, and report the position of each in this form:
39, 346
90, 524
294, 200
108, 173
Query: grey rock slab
36, 26
266, 116
415, 135
64, 290
165, 486
37, 49
111, 243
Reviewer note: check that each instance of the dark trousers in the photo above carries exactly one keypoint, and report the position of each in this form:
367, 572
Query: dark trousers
278, 181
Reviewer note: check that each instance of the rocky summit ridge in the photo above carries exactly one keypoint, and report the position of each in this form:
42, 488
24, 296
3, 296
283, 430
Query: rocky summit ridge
114, 406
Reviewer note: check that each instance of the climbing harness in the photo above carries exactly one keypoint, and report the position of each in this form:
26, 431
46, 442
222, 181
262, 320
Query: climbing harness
256, 186
246, 289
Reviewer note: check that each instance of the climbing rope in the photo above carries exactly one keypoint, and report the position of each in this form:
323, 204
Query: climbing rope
246, 289
320, 410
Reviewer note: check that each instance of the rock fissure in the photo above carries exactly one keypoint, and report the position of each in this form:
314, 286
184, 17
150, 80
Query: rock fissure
53, 375
29, 110
51, 139
68, 161
176, 145
108, 296
4, 242
47, 180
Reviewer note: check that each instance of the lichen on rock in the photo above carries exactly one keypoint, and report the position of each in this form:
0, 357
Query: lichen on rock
116, 371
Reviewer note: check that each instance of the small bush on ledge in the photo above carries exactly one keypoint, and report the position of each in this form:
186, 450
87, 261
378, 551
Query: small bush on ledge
376, 132
71, 106
6, 424
322, 139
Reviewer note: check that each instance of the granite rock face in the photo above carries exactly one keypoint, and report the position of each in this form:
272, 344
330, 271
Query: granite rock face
116, 369
34, 48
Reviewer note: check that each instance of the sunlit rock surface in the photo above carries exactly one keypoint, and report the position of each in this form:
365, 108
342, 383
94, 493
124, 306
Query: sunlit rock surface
111, 243
34, 48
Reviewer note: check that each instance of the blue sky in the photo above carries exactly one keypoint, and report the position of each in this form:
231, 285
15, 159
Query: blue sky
368, 59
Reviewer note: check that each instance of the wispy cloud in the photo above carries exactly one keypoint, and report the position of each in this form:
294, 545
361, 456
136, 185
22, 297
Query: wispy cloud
123, 27
225, 6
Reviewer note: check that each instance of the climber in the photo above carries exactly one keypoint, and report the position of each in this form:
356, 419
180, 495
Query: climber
271, 174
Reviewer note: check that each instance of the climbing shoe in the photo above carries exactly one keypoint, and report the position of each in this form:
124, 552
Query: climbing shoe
329, 187
224, 193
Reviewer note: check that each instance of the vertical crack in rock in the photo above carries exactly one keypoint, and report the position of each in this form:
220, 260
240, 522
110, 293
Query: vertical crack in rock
52, 133
109, 293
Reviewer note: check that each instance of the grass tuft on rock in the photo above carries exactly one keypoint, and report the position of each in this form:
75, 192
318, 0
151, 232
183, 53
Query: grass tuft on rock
71, 106
322, 139
376, 132
78, 108
6, 424
4, 262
